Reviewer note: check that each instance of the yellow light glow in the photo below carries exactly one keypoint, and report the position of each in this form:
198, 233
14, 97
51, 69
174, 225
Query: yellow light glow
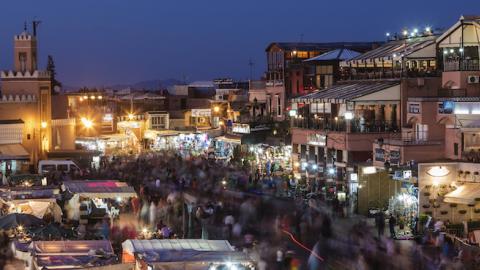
87, 123
438, 171
221, 123
85, 97
43, 124
130, 116
296, 164
216, 109
100, 97
92, 97
81, 98
20, 228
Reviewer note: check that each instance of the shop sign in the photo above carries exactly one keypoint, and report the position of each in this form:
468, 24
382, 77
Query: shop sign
241, 128
402, 175
379, 154
201, 112
317, 139
394, 157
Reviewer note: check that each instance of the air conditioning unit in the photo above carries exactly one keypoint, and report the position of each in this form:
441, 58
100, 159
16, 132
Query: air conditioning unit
473, 79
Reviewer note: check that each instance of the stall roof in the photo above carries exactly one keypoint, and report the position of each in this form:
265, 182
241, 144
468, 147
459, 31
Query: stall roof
13, 152
82, 247
72, 254
140, 246
349, 91
100, 189
183, 250
464, 194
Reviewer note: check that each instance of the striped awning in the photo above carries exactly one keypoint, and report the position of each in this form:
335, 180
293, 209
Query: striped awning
13, 152
347, 92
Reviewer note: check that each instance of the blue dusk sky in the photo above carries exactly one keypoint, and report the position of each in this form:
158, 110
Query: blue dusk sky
103, 42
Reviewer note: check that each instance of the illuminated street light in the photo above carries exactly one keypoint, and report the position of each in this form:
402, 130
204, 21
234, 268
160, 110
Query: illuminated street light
92, 97
43, 124
85, 97
405, 32
415, 31
216, 109
428, 29
81, 98
87, 123
100, 97
387, 34
130, 116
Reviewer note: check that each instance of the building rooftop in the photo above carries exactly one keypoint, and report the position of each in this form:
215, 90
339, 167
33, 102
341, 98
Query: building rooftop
322, 46
337, 54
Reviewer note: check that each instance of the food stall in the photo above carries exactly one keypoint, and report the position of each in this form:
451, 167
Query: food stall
92, 199
71, 254
188, 254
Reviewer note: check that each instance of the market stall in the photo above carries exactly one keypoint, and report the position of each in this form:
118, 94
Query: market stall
184, 143
96, 199
186, 254
270, 159
223, 146
71, 254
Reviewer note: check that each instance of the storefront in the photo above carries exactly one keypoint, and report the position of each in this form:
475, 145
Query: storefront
185, 143
271, 159
223, 146
449, 191
114, 144
13, 158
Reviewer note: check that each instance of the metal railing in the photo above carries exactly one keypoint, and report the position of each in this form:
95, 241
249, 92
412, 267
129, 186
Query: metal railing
461, 65
356, 126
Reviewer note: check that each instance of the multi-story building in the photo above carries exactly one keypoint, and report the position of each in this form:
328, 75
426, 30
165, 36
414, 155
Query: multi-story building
285, 65
25, 109
334, 129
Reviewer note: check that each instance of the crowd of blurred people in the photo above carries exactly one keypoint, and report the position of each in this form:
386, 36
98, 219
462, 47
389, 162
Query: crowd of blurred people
278, 233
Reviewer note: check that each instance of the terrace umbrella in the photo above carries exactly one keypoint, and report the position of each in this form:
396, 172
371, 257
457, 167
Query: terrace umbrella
14, 220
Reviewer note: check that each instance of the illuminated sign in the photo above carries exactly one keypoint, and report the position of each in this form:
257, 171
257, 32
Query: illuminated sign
201, 112
241, 128
317, 139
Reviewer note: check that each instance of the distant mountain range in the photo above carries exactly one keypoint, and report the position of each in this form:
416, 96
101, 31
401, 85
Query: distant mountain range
143, 85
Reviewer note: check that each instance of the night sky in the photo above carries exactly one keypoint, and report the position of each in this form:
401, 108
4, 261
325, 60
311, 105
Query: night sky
103, 42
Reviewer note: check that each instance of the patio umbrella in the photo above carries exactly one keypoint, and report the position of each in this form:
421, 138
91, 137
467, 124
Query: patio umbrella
14, 220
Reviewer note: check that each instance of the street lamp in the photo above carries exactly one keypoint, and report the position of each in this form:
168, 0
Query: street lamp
43, 124
87, 123
216, 109
130, 116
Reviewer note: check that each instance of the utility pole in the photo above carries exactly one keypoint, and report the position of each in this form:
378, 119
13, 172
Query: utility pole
252, 65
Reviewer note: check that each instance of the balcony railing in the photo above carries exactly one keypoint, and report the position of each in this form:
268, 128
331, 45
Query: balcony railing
461, 65
356, 126
389, 74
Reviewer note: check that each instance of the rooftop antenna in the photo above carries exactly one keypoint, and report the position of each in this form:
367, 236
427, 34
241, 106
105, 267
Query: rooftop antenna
25, 26
251, 64
35, 24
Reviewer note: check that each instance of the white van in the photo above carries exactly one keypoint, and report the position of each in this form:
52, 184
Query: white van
61, 165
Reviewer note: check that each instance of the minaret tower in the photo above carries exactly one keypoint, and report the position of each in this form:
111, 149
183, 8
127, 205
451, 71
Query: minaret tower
25, 50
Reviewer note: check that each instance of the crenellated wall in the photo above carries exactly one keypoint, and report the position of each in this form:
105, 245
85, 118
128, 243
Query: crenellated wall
18, 98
